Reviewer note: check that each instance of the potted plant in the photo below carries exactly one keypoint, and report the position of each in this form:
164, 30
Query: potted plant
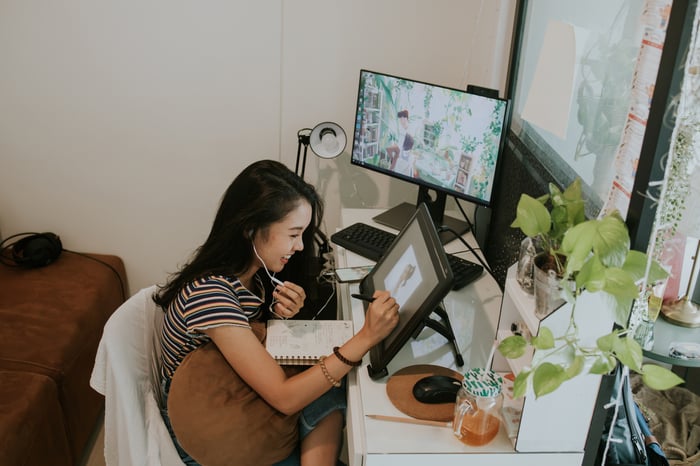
594, 256
544, 221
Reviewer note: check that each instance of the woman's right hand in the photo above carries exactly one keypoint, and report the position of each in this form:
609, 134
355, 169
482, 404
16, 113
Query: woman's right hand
381, 317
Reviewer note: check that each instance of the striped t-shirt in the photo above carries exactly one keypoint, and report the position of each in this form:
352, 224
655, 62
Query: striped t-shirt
204, 303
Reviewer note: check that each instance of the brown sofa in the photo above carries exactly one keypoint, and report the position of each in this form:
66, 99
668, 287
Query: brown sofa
51, 320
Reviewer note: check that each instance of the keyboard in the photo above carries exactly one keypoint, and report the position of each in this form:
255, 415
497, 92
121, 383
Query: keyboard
372, 242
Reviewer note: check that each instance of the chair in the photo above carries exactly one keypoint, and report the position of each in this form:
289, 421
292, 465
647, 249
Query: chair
126, 372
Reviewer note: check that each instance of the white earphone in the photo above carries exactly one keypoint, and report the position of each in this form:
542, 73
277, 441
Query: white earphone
274, 280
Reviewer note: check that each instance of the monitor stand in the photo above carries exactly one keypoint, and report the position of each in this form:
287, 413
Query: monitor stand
397, 217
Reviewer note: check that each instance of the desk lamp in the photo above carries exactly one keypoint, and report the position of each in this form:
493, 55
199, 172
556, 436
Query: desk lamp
327, 140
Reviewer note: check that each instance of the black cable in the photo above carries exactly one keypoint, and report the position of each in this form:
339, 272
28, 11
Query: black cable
473, 251
119, 277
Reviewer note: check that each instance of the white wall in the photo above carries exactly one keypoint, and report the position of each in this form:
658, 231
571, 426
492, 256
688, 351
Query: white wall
122, 122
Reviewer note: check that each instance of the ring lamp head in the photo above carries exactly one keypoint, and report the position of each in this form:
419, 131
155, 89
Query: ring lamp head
327, 140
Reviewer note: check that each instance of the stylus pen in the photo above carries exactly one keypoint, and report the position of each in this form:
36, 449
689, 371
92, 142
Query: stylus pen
363, 297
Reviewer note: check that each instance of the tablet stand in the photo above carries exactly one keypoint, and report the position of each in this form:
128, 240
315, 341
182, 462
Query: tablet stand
444, 328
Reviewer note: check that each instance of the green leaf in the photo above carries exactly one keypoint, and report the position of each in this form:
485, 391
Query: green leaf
628, 351
560, 222
512, 347
623, 307
612, 242
620, 283
575, 367
520, 384
573, 192
556, 195
606, 342
657, 273
635, 264
577, 245
545, 339
574, 203
591, 276
532, 217
606, 237
547, 378
659, 378
603, 364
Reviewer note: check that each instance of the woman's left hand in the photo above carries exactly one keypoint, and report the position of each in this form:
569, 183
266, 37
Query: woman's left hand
288, 299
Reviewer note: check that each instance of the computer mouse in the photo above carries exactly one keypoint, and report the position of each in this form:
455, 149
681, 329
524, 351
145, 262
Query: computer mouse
436, 389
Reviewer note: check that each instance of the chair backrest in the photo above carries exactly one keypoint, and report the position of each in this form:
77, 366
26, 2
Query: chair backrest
127, 373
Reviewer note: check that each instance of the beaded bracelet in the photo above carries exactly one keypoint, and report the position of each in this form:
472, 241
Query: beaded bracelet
329, 377
344, 360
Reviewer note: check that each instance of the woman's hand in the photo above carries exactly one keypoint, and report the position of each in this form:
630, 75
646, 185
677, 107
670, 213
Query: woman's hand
287, 300
381, 317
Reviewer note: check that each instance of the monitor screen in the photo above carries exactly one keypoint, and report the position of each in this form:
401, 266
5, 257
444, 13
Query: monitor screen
440, 139
416, 272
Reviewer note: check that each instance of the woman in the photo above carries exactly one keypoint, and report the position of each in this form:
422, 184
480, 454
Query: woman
267, 216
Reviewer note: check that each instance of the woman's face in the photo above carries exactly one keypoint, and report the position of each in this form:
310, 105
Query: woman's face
283, 238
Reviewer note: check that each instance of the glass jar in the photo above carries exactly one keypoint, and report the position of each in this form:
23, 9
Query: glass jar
525, 273
477, 408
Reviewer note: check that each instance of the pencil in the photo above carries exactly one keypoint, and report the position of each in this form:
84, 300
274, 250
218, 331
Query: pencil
409, 420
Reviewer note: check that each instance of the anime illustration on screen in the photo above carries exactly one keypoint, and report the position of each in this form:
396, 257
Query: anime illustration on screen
443, 137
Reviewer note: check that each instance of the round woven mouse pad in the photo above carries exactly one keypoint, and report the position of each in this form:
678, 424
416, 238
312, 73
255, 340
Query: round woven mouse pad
399, 388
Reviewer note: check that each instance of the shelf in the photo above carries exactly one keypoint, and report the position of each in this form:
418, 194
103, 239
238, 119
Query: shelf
564, 414
525, 302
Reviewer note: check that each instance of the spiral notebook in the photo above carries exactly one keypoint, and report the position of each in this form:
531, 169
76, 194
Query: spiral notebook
303, 342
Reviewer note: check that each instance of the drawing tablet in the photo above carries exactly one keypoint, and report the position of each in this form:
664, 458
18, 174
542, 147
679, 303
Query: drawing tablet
416, 272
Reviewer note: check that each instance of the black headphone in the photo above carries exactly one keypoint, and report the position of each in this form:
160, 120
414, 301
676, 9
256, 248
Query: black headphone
31, 250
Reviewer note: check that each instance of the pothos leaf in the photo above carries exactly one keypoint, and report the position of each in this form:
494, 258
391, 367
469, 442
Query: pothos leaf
628, 351
547, 378
659, 378
520, 384
532, 217
575, 367
545, 339
513, 346
603, 364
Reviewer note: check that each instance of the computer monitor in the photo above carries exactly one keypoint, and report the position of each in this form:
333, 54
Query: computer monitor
444, 140
416, 272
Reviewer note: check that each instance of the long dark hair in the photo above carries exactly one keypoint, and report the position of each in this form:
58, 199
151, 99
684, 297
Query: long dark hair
262, 194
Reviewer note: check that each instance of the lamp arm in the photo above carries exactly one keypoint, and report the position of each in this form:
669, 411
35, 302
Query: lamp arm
303, 138
296, 169
303, 165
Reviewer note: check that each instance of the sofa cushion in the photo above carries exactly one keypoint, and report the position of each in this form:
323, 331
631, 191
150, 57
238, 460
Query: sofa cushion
52, 319
31, 431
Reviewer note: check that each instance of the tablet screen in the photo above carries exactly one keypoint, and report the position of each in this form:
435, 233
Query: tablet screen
415, 271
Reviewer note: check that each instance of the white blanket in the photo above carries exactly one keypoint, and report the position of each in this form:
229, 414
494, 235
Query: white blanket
126, 373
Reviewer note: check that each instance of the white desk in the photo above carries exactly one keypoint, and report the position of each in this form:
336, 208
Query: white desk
474, 312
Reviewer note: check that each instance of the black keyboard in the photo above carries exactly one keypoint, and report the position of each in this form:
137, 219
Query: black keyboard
371, 242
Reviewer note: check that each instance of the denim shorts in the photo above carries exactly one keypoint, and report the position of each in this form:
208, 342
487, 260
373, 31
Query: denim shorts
311, 415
